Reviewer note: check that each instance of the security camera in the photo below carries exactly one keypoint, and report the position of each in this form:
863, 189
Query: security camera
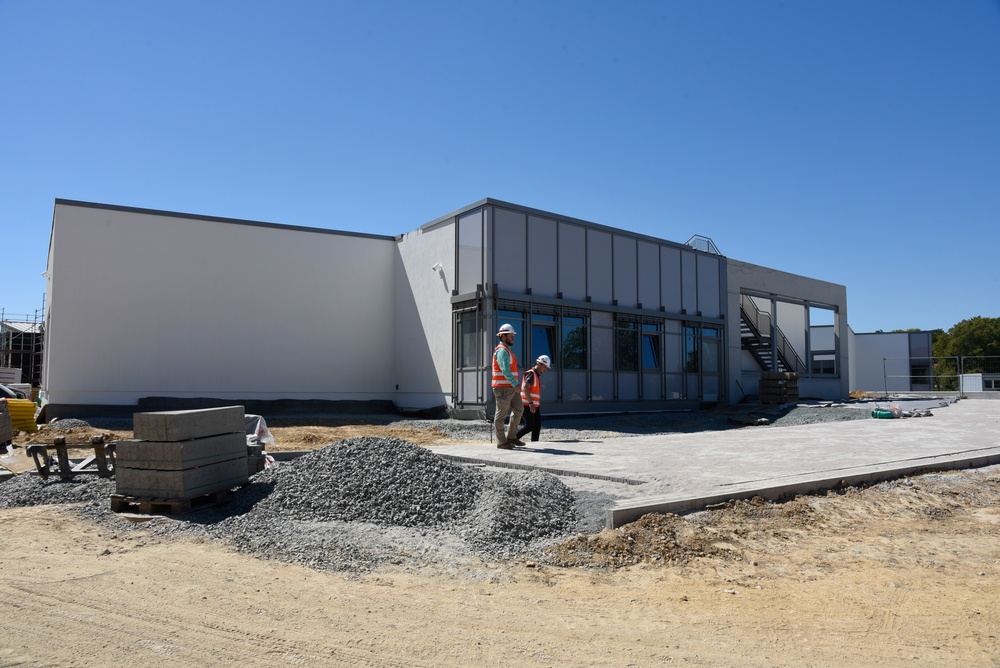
437, 266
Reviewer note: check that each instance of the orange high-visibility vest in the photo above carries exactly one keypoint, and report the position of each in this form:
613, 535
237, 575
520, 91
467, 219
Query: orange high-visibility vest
500, 380
531, 393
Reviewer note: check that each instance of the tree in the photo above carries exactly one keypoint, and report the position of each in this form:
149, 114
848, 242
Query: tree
975, 337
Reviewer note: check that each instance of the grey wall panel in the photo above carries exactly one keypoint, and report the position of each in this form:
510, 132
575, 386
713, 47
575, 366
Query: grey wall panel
602, 354
572, 261
689, 282
470, 252
510, 250
670, 279
543, 260
574, 385
674, 386
709, 297
625, 271
550, 388
920, 344
628, 387
470, 385
599, 266
710, 388
650, 387
604, 386
649, 275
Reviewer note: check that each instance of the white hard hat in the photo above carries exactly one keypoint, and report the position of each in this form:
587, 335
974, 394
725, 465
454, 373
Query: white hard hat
506, 329
544, 359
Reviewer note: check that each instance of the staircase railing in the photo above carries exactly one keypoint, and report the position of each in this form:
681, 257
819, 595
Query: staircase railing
760, 324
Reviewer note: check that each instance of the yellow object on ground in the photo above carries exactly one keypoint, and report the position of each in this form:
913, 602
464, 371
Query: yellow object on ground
22, 414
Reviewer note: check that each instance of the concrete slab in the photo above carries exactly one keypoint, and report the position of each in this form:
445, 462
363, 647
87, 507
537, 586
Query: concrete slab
184, 484
185, 425
685, 472
172, 456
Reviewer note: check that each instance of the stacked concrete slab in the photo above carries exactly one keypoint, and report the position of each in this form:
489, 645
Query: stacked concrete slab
183, 454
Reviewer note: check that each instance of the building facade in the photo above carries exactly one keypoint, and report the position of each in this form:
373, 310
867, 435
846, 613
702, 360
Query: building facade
197, 306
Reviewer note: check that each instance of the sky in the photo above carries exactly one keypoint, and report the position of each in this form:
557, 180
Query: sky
851, 141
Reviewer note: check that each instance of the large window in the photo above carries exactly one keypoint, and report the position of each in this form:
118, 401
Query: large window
637, 345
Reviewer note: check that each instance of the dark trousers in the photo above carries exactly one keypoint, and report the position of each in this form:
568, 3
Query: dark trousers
532, 423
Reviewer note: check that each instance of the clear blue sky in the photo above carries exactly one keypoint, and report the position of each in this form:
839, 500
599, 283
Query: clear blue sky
853, 141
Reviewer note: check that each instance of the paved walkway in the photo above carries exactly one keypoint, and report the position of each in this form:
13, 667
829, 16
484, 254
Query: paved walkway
683, 472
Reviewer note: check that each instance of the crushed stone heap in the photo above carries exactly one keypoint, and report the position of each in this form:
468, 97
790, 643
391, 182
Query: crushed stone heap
385, 481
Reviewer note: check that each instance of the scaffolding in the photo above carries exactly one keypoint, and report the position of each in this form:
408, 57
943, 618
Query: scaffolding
21, 342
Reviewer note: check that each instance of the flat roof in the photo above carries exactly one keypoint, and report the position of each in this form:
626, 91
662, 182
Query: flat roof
218, 219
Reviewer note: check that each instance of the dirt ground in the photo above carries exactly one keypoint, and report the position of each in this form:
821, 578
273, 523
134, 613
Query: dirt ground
900, 574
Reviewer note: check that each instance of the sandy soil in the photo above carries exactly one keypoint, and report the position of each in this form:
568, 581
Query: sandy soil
901, 574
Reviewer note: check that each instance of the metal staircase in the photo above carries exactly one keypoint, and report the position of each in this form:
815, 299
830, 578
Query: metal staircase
755, 337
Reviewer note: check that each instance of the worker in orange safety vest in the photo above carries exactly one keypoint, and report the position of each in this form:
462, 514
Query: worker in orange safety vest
531, 395
505, 390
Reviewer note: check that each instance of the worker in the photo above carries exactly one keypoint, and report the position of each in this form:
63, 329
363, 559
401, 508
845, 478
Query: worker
531, 395
505, 386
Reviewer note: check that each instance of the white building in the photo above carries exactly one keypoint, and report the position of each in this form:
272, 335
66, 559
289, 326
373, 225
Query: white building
144, 303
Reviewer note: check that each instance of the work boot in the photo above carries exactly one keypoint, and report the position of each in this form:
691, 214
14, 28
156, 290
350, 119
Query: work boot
505, 446
516, 441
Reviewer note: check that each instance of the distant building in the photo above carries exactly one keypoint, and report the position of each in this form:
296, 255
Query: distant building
144, 303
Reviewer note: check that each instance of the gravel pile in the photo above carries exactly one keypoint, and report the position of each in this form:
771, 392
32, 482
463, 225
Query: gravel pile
386, 481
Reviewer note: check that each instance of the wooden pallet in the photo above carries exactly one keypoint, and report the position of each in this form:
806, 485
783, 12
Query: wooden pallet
132, 504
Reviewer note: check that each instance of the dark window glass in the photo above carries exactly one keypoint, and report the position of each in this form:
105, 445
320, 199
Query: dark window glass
468, 341
691, 349
574, 343
627, 346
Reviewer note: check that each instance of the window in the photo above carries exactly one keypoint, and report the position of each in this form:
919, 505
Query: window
516, 320
543, 337
710, 350
468, 340
574, 343
650, 347
824, 363
691, 349
626, 346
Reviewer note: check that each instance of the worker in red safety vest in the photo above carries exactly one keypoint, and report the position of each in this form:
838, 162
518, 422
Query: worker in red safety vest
531, 395
505, 390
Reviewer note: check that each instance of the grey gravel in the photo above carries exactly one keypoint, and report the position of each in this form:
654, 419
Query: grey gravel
355, 505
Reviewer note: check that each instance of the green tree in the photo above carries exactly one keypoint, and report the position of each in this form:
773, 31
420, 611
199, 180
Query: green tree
973, 340
975, 337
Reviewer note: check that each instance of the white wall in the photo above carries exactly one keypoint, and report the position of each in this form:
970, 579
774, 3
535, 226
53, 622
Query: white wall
424, 329
153, 304
868, 352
